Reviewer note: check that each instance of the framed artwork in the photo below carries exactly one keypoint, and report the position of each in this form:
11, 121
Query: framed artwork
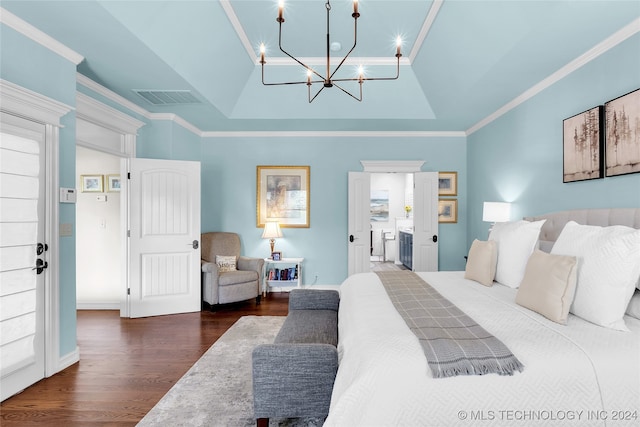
276, 256
379, 205
622, 127
91, 183
113, 183
283, 195
582, 146
448, 210
447, 183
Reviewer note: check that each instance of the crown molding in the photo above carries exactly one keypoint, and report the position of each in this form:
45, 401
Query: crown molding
333, 134
602, 47
177, 120
27, 103
110, 95
31, 32
426, 26
98, 113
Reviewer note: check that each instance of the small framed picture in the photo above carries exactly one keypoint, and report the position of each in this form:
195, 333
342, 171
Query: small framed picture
113, 183
447, 183
276, 256
448, 210
91, 183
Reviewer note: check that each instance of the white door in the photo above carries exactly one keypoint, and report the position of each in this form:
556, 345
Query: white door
425, 221
164, 243
22, 219
359, 227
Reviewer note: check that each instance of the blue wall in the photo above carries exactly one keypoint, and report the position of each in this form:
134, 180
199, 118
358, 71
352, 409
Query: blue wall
518, 157
229, 192
34, 67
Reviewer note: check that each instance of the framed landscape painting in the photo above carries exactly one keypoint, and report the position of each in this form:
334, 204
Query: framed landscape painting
283, 195
622, 127
582, 144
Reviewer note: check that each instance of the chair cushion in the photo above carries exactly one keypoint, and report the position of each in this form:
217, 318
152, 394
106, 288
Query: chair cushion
238, 276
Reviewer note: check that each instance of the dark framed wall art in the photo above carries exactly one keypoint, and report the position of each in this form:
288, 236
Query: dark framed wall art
583, 142
622, 118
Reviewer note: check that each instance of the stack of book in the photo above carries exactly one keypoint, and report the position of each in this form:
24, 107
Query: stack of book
283, 273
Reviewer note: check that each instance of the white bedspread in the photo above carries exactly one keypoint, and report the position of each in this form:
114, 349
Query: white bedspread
579, 374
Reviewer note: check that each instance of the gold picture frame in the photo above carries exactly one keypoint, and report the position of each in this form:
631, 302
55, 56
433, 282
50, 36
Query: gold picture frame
91, 183
283, 195
447, 183
448, 210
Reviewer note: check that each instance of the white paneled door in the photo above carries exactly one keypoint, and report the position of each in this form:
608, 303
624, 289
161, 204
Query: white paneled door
359, 223
164, 243
425, 221
22, 250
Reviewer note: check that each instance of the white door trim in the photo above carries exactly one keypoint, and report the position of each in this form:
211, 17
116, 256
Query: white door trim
92, 111
30, 105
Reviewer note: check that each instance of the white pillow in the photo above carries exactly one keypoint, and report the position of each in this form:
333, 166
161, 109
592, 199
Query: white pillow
633, 309
608, 268
549, 285
516, 242
481, 262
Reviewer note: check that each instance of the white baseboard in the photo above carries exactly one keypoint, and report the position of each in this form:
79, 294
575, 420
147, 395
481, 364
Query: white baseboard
67, 360
98, 305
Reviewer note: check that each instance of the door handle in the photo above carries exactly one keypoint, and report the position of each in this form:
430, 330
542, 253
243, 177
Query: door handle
195, 244
40, 266
41, 247
434, 238
351, 238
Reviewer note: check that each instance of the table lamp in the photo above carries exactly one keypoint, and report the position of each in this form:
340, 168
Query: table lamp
496, 212
271, 231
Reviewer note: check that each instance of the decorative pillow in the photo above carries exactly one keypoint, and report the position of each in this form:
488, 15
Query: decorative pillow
633, 309
516, 242
226, 263
608, 268
549, 285
481, 262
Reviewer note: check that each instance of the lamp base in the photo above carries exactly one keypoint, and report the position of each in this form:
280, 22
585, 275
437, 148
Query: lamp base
272, 242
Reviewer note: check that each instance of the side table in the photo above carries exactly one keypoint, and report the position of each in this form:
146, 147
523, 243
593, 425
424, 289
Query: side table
285, 272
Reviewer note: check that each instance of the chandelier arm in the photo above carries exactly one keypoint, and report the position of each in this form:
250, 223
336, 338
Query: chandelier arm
355, 40
354, 79
293, 57
317, 93
286, 83
349, 93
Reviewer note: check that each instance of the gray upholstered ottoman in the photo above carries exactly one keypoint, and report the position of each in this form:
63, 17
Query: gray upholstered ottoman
293, 377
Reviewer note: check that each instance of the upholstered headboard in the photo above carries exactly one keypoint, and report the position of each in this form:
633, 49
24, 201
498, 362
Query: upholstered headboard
602, 217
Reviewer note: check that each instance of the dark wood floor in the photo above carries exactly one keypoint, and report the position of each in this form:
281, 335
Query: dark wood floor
126, 366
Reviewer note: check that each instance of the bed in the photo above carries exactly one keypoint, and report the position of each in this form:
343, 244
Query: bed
576, 373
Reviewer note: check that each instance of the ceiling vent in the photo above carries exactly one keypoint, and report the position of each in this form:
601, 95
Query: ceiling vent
168, 97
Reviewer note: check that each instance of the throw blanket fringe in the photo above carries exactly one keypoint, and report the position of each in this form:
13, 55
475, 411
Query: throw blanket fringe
453, 343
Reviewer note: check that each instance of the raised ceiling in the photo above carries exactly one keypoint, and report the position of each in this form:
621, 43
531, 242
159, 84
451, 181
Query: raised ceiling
462, 60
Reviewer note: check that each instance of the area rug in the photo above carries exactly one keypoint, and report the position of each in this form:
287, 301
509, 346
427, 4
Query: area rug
217, 390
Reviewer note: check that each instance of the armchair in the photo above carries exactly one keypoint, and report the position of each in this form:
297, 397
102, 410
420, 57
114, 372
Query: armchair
230, 286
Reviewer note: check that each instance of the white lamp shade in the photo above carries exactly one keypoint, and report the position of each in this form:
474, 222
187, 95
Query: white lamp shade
271, 230
496, 212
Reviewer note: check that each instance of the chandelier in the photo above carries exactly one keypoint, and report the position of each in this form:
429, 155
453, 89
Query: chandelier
327, 81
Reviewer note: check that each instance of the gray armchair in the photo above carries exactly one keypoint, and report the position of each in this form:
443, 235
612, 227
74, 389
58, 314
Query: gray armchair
230, 286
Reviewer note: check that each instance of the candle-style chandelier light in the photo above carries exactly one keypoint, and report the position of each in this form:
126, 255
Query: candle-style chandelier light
327, 80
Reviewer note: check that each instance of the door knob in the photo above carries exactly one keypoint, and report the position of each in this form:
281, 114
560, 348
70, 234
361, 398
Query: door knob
434, 238
40, 266
41, 247
195, 244
351, 238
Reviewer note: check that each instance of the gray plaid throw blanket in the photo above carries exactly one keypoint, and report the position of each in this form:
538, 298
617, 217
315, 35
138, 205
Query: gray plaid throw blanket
452, 342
